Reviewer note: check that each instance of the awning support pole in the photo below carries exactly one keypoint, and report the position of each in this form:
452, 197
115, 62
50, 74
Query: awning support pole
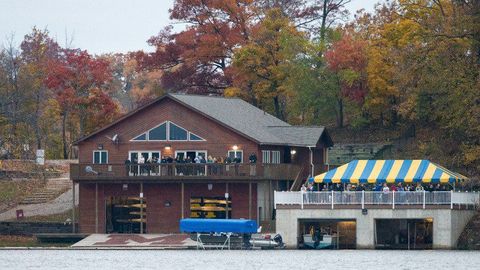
301, 199
423, 199
393, 199
363, 199
332, 199
451, 199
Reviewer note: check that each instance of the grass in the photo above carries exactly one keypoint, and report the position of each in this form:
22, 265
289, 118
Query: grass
61, 217
26, 241
12, 192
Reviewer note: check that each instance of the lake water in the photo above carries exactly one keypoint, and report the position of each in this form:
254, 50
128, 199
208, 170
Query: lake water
237, 259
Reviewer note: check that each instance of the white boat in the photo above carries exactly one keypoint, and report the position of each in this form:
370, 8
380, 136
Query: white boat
328, 241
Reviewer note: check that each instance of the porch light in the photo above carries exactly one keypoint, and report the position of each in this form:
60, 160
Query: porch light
235, 147
293, 152
168, 147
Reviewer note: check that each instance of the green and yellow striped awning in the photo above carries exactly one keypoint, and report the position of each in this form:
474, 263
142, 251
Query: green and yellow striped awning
389, 171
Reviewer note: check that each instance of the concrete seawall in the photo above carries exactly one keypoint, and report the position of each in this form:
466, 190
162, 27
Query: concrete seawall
447, 224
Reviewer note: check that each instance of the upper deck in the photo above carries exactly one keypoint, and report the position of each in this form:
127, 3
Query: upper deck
85, 172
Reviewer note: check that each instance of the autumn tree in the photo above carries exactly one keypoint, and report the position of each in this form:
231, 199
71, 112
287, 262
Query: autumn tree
197, 58
37, 49
13, 86
78, 80
264, 63
132, 85
348, 61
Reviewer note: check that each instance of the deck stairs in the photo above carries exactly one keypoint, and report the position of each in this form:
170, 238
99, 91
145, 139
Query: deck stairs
300, 179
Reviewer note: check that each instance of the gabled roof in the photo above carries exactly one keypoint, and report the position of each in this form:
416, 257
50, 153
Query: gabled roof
389, 171
244, 118
301, 135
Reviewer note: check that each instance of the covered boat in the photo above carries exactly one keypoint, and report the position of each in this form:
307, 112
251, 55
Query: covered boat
238, 226
227, 233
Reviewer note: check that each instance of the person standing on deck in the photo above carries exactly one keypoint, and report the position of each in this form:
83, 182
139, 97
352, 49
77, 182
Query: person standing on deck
141, 162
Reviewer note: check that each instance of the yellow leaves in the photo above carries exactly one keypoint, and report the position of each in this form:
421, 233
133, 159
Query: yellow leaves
471, 154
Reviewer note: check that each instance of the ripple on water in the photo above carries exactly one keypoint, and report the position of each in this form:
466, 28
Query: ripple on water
238, 259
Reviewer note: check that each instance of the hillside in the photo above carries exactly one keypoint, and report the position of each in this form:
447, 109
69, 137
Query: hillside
408, 143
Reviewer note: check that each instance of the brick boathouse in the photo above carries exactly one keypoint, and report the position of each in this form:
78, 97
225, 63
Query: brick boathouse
138, 174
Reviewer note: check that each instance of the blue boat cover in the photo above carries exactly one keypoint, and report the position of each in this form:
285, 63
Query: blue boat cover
218, 225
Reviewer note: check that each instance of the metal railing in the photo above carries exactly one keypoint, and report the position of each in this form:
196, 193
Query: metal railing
282, 171
365, 198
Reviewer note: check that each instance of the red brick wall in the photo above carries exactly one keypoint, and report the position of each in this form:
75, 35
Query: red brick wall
219, 139
160, 218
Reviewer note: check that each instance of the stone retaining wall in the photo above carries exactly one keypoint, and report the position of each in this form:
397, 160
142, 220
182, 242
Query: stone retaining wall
31, 228
470, 237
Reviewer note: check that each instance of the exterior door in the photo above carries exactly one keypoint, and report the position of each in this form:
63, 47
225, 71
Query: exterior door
134, 156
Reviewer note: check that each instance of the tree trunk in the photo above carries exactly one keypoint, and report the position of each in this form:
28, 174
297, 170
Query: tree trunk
251, 93
276, 105
340, 113
64, 135
324, 21
36, 124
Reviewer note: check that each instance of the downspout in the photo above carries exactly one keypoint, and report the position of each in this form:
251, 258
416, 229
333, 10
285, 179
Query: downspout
311, 161
326, 158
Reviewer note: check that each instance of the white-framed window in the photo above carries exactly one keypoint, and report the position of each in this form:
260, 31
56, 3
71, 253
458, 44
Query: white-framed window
167, 131
269, 156
276, 157
265, 156
235, 154
100, 157
134, 156
192, 154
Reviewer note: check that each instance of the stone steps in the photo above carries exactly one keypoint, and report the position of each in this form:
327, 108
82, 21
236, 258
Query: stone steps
51, 190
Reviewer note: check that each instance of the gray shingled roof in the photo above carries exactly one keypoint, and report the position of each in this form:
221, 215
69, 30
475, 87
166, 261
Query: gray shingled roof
298, 135
244, 118
251, 121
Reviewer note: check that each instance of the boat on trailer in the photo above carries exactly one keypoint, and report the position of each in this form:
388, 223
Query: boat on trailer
228, 234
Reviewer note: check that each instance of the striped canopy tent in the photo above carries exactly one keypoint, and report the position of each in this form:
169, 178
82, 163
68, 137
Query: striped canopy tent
389, 171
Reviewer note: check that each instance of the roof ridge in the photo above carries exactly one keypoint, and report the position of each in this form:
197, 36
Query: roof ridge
302, 126
205, 96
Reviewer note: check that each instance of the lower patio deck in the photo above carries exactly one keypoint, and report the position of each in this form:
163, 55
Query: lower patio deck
441, 215
153, 241
377, 199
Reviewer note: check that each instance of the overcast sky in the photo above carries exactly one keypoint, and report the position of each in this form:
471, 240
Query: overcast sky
100, 26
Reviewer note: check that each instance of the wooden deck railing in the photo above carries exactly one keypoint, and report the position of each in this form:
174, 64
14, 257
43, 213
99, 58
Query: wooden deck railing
175, 171
364, 199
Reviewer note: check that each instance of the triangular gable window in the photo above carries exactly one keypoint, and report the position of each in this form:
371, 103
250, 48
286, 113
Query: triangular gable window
168, 131
194, 137
141, 137
177, 133
159, 133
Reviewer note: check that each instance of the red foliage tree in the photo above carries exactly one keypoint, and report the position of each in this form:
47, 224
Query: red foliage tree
78, 80
348, 59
